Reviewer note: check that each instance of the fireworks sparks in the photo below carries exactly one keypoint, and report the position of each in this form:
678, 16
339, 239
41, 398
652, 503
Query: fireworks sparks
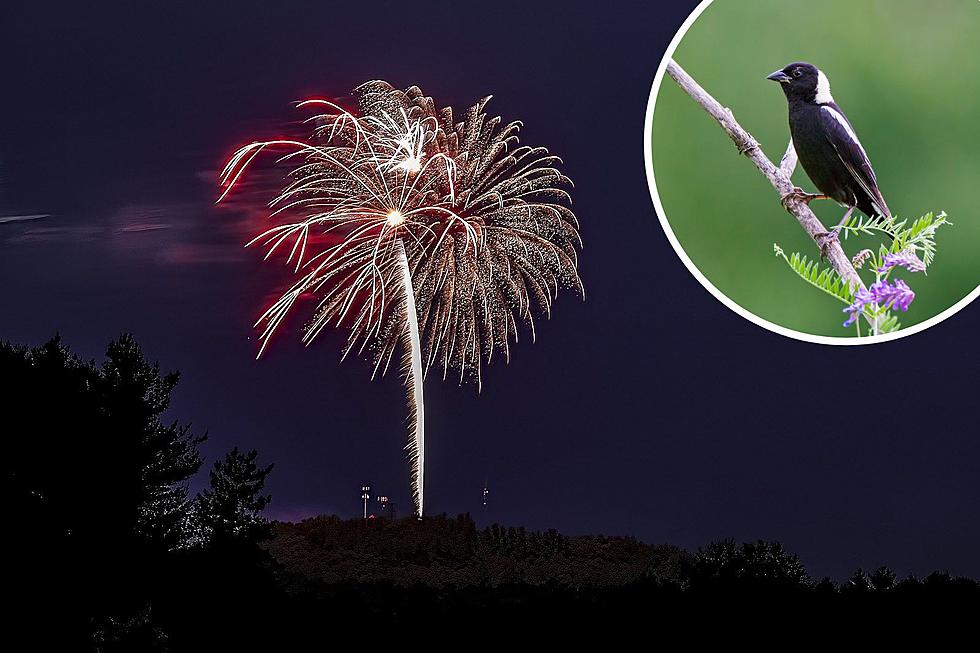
417, 231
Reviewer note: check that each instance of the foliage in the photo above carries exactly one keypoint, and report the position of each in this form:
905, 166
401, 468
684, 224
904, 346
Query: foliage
441, 551
746, 567
825, 279
919, 236
912, 245
96, 481
230, 508
406, 570
81, 435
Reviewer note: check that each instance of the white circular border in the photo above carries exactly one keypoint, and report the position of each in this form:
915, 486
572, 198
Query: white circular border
710, 287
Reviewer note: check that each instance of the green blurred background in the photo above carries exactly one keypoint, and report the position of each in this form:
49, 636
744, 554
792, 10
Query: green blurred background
906, 72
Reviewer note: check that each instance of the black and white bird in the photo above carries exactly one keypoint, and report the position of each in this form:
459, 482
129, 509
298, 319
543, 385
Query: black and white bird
827, 145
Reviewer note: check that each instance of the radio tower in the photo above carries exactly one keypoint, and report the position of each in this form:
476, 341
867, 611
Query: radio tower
365, 495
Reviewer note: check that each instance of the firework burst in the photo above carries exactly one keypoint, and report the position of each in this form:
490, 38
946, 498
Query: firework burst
419, 232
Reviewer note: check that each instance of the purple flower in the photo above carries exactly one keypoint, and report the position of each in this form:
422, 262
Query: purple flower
882, 292
861, 298
889, 296
906, 259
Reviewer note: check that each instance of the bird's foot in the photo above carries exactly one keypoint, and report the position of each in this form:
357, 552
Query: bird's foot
801, 195
826, 239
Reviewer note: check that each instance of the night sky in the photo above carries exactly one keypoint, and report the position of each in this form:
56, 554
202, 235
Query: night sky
649, 409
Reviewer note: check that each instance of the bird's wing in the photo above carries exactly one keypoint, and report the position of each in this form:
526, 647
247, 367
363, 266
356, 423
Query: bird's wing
841, 135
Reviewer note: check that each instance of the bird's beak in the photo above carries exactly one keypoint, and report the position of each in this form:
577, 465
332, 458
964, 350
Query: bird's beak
779, 76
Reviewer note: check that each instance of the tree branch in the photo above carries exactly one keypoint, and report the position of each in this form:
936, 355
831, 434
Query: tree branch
778, 177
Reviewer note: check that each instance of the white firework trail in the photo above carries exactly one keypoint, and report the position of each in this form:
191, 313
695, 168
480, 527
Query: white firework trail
412, 371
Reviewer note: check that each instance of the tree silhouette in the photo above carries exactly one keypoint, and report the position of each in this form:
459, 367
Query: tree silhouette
229, 510
751, 566
883, 580
227, 584
136, 395
858, 583
96, 481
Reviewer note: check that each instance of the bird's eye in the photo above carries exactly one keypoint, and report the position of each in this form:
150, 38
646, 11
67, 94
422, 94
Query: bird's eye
797, 72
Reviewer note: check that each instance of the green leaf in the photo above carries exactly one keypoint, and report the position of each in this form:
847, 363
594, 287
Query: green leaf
920, 236
825, 279
888, 323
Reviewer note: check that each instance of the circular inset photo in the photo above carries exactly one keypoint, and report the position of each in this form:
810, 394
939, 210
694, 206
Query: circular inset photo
815, 164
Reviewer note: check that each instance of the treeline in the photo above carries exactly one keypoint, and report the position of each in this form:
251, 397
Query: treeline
442, 552
108, 551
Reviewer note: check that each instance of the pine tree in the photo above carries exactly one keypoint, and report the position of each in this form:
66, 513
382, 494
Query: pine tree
229, 510
96, 482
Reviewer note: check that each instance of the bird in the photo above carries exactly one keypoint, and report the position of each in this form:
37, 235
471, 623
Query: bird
828, 147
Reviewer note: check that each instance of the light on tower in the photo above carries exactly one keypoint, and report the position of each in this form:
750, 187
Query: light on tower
365, 495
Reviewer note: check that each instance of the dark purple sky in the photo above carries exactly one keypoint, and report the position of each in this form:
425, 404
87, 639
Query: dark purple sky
650, 409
